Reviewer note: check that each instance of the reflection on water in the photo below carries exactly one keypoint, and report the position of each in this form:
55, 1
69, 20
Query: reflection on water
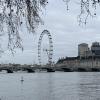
50, 86
89, 86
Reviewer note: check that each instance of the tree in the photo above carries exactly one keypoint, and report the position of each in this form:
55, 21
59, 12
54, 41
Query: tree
87, 8
13, 13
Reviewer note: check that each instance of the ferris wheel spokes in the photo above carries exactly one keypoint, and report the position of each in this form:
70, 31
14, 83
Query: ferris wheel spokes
48, 51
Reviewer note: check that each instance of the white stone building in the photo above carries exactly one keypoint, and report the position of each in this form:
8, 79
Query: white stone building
82, 50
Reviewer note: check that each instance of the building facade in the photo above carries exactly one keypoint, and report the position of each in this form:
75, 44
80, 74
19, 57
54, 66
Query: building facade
95, 48
82, 50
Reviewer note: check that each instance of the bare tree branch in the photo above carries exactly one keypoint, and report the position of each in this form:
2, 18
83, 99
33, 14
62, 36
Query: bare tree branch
87, 8
13, 13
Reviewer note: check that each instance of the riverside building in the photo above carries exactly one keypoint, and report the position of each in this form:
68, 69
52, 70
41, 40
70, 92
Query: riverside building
82, 50
88, 58
95, 48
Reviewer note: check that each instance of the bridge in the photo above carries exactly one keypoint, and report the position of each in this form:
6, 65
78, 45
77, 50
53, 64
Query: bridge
9, 70
28, 68
64, 68
46, 68
15, 69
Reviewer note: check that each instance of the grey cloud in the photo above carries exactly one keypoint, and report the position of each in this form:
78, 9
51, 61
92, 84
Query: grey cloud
66, 34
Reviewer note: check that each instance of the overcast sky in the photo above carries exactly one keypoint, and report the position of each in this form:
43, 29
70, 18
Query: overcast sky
65, 30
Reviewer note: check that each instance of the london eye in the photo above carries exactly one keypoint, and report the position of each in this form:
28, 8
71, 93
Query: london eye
49, 51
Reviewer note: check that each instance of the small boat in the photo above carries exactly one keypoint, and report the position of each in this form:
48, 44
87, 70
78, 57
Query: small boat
22, 79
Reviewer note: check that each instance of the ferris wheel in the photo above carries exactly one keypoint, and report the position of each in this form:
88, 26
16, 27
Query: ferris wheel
49, 51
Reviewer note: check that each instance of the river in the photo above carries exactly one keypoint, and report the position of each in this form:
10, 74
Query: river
50, 86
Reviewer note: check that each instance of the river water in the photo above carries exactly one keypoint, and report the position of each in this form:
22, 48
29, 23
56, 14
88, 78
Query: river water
50, 86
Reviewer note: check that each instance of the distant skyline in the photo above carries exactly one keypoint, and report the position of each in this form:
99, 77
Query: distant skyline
65, 31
